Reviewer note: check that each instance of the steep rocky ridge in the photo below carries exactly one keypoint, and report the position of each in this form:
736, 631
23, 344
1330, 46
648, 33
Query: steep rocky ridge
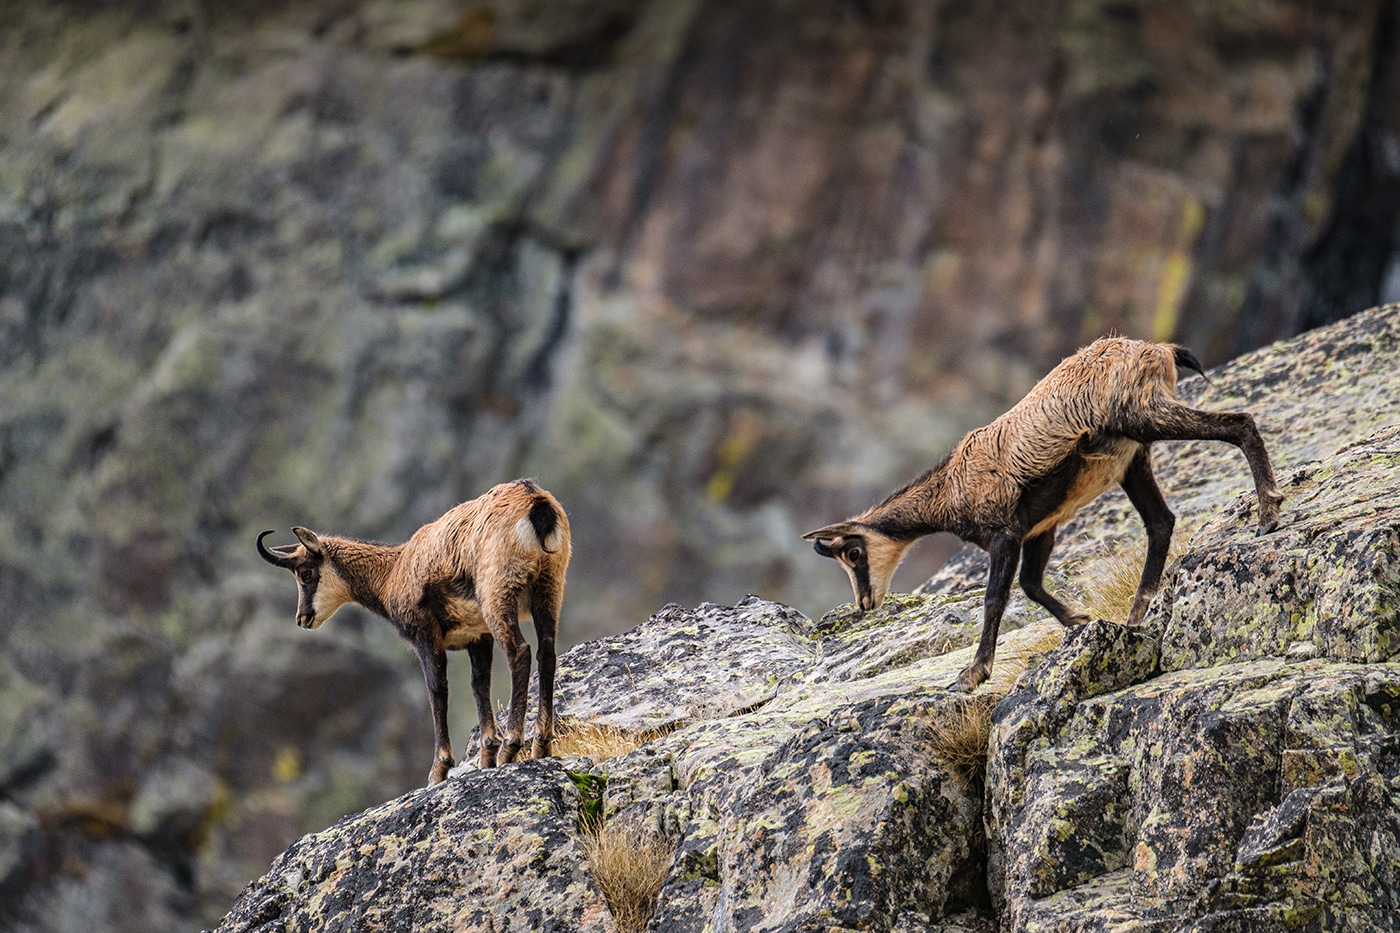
714, 272
1233, 764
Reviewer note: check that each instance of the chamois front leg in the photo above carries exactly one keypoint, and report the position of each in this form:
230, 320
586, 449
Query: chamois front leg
1004, 552
434, 662
480, 654
1145, 495
1035, 557
545, 603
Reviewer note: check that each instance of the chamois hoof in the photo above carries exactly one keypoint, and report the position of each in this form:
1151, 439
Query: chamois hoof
969, 680
440, 769
488, 753
1076, 621
507, 752
541, 748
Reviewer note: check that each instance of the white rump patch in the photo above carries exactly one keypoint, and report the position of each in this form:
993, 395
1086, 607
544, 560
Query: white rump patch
525, 535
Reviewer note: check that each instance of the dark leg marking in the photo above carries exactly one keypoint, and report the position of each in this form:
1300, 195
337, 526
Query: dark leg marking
434, 663
1180, 423
545, 604
1145, 495
480, 654
1005, 553
1035, 557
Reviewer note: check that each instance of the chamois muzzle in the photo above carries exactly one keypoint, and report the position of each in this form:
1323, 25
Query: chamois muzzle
276, 560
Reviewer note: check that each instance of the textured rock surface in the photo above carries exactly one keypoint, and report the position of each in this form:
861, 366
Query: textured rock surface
1202, 772
497, 853
1327, 584
714, 271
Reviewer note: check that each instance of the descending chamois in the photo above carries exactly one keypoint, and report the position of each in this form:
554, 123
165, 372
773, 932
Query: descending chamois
1006, 487
463, 581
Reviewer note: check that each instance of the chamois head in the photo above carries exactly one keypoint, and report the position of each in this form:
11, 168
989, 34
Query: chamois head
320, 589
868, 557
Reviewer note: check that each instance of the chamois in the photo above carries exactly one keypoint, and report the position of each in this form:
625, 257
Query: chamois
462, 581
1007, 486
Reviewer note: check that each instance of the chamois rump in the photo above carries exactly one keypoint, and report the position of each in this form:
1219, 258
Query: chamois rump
1007, 486
463, 581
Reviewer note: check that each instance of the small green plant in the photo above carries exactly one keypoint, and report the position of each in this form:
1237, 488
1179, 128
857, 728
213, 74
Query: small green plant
591, 788
629, 864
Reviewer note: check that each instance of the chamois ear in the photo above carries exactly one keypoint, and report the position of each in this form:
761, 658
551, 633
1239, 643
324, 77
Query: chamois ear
823, 538
309, 541
838, 530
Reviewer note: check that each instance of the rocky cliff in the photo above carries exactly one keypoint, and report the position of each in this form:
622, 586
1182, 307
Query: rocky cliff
715, 272
1232, 765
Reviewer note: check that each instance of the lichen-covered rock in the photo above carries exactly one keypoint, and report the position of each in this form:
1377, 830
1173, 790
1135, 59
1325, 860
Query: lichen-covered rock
1326, 583
828, 807
1264, 789
683, 665
495, 850
1209, 796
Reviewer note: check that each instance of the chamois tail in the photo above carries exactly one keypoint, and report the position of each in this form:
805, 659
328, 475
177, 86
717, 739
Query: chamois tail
545, 520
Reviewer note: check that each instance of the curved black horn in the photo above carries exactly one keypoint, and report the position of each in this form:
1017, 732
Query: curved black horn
276, 560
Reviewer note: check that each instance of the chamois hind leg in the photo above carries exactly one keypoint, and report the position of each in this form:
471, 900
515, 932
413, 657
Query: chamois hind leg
1146, 497
546, 600
1004, 552
503, 618
1035, 557
1179, 423
480, 653
433, 660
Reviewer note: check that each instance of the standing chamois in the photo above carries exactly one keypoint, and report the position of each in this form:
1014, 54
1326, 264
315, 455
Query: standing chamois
463, 581
1006, 487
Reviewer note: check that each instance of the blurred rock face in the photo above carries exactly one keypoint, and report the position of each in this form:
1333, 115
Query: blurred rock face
714, 273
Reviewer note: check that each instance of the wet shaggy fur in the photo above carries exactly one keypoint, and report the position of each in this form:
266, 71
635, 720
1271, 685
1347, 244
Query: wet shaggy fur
464, 581
1006, 487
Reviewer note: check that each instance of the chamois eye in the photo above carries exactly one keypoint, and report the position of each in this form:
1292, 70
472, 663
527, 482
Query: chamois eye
306, 576
853, 554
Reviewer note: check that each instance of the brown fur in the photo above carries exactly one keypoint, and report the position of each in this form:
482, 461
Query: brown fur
1085, 427
465, 580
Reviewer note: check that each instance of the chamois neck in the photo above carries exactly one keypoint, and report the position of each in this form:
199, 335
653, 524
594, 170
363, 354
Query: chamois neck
913, 510
365, 566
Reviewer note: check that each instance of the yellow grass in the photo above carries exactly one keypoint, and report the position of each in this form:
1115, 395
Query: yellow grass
630, 866
1107, 585
593, 740
959, 735
1012, 659
597, 741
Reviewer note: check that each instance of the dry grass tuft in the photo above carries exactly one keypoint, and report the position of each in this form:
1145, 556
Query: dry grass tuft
1012, 660
960, 734
595, 740
1107, 585
630, 865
